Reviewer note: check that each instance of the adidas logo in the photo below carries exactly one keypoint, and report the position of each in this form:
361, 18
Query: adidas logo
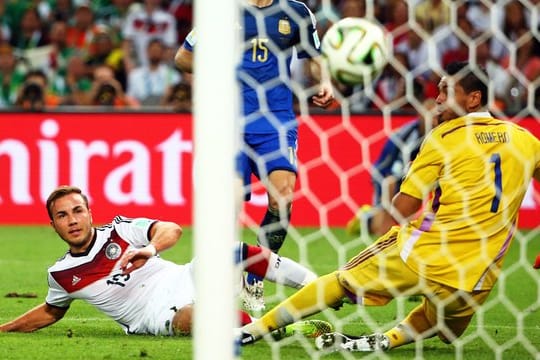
75, 280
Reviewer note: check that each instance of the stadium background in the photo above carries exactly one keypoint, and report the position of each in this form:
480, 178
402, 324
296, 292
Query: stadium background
129, 151
130, 170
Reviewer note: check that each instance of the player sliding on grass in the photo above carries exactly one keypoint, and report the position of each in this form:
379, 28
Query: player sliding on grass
478, 169
116, 269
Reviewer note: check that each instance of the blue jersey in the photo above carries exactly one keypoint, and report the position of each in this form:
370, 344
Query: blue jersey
396, 156
270, 35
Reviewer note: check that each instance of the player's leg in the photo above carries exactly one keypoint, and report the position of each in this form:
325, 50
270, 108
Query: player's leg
454, 311
183, 320
312, 298
417, 325
445, 312
275, 223
367, 285
261, 262
356, 280
273, 160
306, 328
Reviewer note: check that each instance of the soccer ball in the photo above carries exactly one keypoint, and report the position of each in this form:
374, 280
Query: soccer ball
356, 50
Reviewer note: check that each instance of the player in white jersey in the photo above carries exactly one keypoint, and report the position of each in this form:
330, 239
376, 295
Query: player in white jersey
96, 276
116, 269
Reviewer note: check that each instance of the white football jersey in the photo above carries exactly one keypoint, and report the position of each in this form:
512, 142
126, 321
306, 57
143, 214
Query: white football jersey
141, 302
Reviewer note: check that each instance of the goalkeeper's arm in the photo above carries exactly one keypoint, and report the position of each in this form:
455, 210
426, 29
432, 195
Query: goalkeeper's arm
404, 207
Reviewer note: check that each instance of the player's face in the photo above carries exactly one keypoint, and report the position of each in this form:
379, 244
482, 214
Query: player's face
451, 101
72, 221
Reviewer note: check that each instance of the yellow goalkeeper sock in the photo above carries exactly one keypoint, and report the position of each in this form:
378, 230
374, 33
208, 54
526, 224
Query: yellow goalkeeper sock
415, 326
313, 298
398, 336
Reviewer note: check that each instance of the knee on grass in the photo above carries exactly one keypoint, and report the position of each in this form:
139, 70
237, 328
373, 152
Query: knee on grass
183, 320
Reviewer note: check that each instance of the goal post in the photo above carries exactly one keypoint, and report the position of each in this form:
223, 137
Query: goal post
215, 119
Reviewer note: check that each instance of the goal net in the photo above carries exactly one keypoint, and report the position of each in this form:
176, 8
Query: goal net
338, 177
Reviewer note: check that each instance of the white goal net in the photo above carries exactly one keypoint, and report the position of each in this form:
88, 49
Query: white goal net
339, 182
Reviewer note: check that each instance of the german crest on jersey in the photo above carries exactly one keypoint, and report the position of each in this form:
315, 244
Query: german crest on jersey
113, 251
284, 27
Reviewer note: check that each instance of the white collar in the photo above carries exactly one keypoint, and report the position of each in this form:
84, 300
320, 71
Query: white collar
479, 114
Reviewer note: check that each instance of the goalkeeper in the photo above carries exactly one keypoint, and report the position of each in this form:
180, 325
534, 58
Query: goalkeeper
116, 269
478, 169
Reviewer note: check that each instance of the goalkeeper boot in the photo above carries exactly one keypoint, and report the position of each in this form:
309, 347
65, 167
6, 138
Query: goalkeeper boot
253, 295
306, 328
339, 342
354, 226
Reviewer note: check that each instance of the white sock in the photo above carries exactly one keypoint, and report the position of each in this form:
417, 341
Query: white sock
285, 271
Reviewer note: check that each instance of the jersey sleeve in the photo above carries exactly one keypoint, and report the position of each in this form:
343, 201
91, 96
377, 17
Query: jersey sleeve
189, 41
57, 296
384, 165
136, 231
424, 171
309, 44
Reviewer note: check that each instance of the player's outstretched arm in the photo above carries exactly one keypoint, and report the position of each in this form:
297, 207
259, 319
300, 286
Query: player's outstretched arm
39, 317
184, 59
163, 235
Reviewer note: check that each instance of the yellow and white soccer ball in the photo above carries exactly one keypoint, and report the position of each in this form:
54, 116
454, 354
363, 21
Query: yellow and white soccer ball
356, 50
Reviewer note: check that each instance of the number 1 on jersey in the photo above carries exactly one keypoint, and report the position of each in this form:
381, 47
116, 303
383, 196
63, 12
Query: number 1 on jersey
496, 160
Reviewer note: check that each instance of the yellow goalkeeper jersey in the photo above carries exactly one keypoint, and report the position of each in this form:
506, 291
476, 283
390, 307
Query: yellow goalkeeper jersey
477, 170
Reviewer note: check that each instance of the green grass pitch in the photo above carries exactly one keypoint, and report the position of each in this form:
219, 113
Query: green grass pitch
508, 327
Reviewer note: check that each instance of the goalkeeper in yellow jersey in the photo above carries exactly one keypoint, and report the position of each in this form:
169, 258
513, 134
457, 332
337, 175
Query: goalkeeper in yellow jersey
477, 169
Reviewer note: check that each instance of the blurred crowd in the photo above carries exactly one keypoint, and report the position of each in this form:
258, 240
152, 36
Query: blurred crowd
501, 35
119, 53
100, 53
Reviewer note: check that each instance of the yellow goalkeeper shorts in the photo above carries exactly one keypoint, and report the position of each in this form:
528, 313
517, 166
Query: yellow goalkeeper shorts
378, 274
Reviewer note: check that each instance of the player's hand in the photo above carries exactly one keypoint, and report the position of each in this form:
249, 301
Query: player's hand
134, 259
324, 97
537, 262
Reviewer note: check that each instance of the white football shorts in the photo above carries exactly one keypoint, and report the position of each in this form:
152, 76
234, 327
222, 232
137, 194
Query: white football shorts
176, 289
